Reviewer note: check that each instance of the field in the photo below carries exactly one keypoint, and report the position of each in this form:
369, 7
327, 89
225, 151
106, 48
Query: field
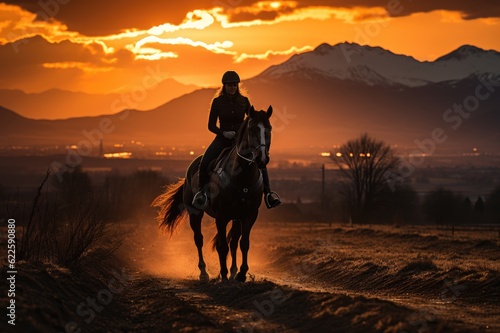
303, 278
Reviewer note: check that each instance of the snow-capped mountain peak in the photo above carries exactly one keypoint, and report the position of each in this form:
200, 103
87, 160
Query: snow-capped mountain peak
465, 52
376, 66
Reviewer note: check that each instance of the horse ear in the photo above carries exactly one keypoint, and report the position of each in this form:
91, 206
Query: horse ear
251, 112
269, 111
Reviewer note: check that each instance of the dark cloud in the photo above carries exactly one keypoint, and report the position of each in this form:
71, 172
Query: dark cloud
37, 50
245, 16
468, 8
99, 17
26, 58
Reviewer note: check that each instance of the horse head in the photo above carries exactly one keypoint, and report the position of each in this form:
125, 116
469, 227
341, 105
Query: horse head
254, 137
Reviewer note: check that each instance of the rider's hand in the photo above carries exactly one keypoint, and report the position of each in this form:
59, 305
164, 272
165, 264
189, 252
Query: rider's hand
229, 134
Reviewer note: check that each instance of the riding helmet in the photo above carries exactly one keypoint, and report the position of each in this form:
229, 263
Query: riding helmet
230, 77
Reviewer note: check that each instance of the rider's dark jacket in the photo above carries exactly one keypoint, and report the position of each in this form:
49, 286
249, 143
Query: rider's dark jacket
230, 110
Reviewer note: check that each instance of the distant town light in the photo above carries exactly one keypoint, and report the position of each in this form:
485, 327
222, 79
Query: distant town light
191, 153
123, 155
339, 154
325, 154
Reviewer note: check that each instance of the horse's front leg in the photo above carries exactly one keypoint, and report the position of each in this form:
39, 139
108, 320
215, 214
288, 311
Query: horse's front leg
245, 246
195, 222
235, 235
222, 246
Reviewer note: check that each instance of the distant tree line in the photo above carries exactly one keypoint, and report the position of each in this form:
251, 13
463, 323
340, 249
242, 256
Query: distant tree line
366, 195
121, 197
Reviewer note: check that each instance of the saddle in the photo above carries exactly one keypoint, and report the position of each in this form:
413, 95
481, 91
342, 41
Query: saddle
221, 160
218, 166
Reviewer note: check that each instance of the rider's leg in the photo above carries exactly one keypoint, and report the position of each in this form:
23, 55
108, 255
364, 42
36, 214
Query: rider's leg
272, 199
200, 199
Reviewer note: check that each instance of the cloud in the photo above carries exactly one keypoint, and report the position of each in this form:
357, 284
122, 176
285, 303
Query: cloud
37, 63
217, 47
266, 55
99, 18
468, 9
78, 40
18, 24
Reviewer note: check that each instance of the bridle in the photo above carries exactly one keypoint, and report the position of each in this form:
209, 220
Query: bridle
253, 150
254, 155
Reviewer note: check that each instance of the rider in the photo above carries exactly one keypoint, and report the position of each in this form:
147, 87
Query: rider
229, 107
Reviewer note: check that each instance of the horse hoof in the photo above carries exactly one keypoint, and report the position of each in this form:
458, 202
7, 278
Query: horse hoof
204, 278
241, 277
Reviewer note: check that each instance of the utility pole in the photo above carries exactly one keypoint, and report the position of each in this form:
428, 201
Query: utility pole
323, 200
101, 148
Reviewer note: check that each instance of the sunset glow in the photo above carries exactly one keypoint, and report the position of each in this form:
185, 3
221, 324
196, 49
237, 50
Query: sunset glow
195, 45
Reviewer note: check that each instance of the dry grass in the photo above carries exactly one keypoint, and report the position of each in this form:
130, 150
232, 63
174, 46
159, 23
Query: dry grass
63, 236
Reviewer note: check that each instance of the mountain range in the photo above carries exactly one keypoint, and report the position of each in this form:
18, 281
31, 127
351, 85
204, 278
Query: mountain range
321, 98
63, 104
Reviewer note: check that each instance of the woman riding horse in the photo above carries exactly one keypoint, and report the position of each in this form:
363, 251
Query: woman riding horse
235, 192
229, 107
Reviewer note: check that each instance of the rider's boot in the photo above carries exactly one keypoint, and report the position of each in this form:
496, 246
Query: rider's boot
200, 199
272, 199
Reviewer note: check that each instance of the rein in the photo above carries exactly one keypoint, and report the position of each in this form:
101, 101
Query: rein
225, 179
252, 160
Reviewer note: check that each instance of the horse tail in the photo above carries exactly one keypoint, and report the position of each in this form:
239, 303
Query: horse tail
171, 207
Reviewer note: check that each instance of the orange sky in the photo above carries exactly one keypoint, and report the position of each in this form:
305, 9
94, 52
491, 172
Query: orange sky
110, 46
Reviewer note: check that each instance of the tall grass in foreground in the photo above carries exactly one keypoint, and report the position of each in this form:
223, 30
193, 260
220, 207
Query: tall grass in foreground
63, 234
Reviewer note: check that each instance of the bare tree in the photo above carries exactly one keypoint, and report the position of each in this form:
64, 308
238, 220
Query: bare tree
364, 163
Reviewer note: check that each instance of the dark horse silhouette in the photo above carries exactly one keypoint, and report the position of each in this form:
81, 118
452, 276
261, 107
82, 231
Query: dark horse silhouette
234, 191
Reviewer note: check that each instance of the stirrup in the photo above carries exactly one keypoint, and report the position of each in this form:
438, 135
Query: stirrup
200, 200
272, 199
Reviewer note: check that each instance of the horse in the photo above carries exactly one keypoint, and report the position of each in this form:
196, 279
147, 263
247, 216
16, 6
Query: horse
235, 194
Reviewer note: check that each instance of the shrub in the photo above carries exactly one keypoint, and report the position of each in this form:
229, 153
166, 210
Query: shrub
63, 239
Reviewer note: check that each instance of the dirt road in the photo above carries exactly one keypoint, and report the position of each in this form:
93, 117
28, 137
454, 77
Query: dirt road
302, 278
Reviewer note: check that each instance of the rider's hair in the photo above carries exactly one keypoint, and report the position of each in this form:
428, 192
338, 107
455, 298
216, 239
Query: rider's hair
241, 91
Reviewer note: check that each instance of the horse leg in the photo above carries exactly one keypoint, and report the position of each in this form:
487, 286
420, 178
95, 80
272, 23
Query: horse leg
235, 235
195, 222
245, 246
222, 247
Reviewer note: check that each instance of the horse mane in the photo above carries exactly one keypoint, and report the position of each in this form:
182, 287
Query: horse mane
241, 130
